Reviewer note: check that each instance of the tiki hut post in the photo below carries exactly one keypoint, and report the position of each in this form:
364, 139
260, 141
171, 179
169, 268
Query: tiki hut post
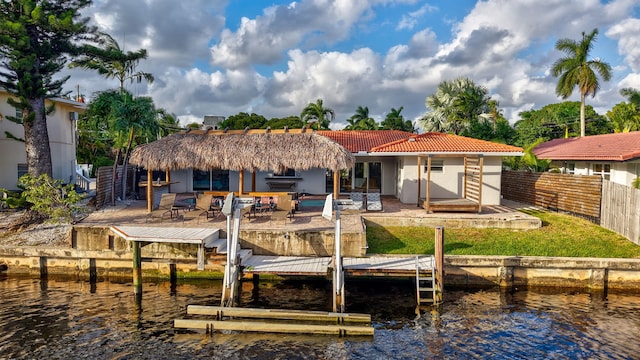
253, 180
167, 176
149, 190
241, 183
336, 184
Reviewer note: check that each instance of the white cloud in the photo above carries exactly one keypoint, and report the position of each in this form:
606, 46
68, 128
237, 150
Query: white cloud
409, 21
627, 32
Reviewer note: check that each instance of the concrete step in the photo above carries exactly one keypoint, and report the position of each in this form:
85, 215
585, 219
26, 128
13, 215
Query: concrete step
219, 245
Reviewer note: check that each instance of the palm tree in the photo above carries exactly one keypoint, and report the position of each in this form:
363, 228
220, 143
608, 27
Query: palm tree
361, 120
395, 121
577, 69
113, 63
317, 113
454, 105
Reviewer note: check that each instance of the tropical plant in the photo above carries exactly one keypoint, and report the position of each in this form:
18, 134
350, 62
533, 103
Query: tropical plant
395, 121
361, 120
575, 69
122, 119
624, 117
636, 183
318, 114
49, 198
112, 62
37, 37
244, 120
454, 105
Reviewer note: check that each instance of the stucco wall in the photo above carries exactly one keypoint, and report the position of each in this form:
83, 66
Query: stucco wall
449, 183
61, 132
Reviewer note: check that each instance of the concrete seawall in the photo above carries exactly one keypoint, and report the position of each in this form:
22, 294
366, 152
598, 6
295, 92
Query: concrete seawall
465, 271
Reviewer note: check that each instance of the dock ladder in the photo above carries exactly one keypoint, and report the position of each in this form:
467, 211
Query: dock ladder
425, 284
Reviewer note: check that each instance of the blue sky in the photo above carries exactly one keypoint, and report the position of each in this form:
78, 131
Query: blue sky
274, 57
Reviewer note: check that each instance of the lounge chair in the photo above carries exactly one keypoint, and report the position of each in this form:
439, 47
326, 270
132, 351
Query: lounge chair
358, 201
373, 202
203, 206
283, 208
164, 208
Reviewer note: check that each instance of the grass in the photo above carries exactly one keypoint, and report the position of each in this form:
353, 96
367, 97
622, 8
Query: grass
560, 235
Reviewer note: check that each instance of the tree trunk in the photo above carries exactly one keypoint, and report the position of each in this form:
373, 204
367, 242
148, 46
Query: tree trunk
125, 162
582, 120
114, 175
36, 139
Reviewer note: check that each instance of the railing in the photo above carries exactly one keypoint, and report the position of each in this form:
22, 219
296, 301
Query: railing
83, 182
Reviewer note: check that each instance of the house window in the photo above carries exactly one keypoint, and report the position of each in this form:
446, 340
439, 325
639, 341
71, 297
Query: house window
288, 172
603, 170
437, 166
19, 114
571, 168
23, 169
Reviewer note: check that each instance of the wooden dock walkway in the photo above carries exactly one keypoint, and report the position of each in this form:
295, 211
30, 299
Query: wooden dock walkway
377, 265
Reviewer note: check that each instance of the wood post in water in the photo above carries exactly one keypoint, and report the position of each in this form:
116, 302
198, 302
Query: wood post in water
137, 268
439, 264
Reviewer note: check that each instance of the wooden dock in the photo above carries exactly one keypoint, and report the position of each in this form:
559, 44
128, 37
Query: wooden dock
276, 321
377, 265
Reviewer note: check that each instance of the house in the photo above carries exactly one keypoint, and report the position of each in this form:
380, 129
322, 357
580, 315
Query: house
407, 166
615, 157
61, 125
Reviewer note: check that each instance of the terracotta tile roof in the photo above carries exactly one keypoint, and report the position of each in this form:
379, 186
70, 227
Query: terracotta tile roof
435, 142
611, 147
364, 140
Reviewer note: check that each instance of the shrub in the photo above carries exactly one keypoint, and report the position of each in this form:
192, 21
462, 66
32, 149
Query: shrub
50, 198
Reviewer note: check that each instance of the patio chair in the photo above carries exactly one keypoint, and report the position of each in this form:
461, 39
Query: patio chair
283, 208
203, 208
164, 208
373, 202
358, 201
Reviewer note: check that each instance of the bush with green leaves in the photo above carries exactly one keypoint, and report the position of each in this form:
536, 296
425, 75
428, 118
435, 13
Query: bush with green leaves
50, 198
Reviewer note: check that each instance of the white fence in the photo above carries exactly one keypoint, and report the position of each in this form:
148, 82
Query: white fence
620, 210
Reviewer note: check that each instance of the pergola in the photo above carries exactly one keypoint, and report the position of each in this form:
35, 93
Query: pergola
241, 150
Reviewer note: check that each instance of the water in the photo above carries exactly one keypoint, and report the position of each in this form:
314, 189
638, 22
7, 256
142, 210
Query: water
58, 319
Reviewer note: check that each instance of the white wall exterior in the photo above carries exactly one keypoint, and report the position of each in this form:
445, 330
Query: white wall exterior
449, 183
622, 173
62, 140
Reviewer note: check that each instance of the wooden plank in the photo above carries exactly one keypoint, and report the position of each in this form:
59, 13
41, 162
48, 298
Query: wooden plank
342, 330
254, 313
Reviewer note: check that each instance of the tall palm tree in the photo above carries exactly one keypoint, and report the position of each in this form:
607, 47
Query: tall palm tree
112, 62
317, 113
576, 69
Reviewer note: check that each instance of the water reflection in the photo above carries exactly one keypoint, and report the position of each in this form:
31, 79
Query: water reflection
69, 319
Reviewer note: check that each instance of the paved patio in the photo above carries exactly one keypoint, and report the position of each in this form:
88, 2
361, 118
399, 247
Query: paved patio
310, 218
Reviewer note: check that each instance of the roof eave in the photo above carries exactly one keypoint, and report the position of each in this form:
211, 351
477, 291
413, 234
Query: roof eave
423, 153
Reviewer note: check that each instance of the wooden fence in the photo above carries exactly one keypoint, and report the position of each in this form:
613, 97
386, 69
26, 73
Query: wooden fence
103, 184
579, 195
621, 210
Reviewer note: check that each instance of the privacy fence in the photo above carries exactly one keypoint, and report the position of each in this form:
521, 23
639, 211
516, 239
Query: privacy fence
621, 210
104, 177
612, 206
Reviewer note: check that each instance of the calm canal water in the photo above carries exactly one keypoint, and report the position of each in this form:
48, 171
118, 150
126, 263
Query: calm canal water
57, 319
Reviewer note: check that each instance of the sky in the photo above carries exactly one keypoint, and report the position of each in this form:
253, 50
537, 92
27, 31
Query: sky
274, 57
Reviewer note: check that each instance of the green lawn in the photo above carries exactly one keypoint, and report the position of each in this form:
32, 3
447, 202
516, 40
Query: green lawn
560, 235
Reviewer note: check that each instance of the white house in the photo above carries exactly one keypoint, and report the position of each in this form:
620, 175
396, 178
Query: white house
615, 157
61, 125
388, 162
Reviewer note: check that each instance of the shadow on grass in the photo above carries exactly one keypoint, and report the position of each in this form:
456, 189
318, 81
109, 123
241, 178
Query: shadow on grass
538, 214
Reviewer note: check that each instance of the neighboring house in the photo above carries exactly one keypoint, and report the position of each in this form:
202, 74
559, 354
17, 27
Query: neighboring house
61, 125
389, 162
615, 157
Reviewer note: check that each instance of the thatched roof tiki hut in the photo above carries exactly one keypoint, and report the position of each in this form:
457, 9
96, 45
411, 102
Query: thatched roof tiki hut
252, 150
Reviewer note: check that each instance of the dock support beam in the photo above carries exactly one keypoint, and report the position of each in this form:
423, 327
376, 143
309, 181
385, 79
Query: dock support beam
137, 268
439, 264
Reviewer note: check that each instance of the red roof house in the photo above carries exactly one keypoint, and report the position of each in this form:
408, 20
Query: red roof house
615, 157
